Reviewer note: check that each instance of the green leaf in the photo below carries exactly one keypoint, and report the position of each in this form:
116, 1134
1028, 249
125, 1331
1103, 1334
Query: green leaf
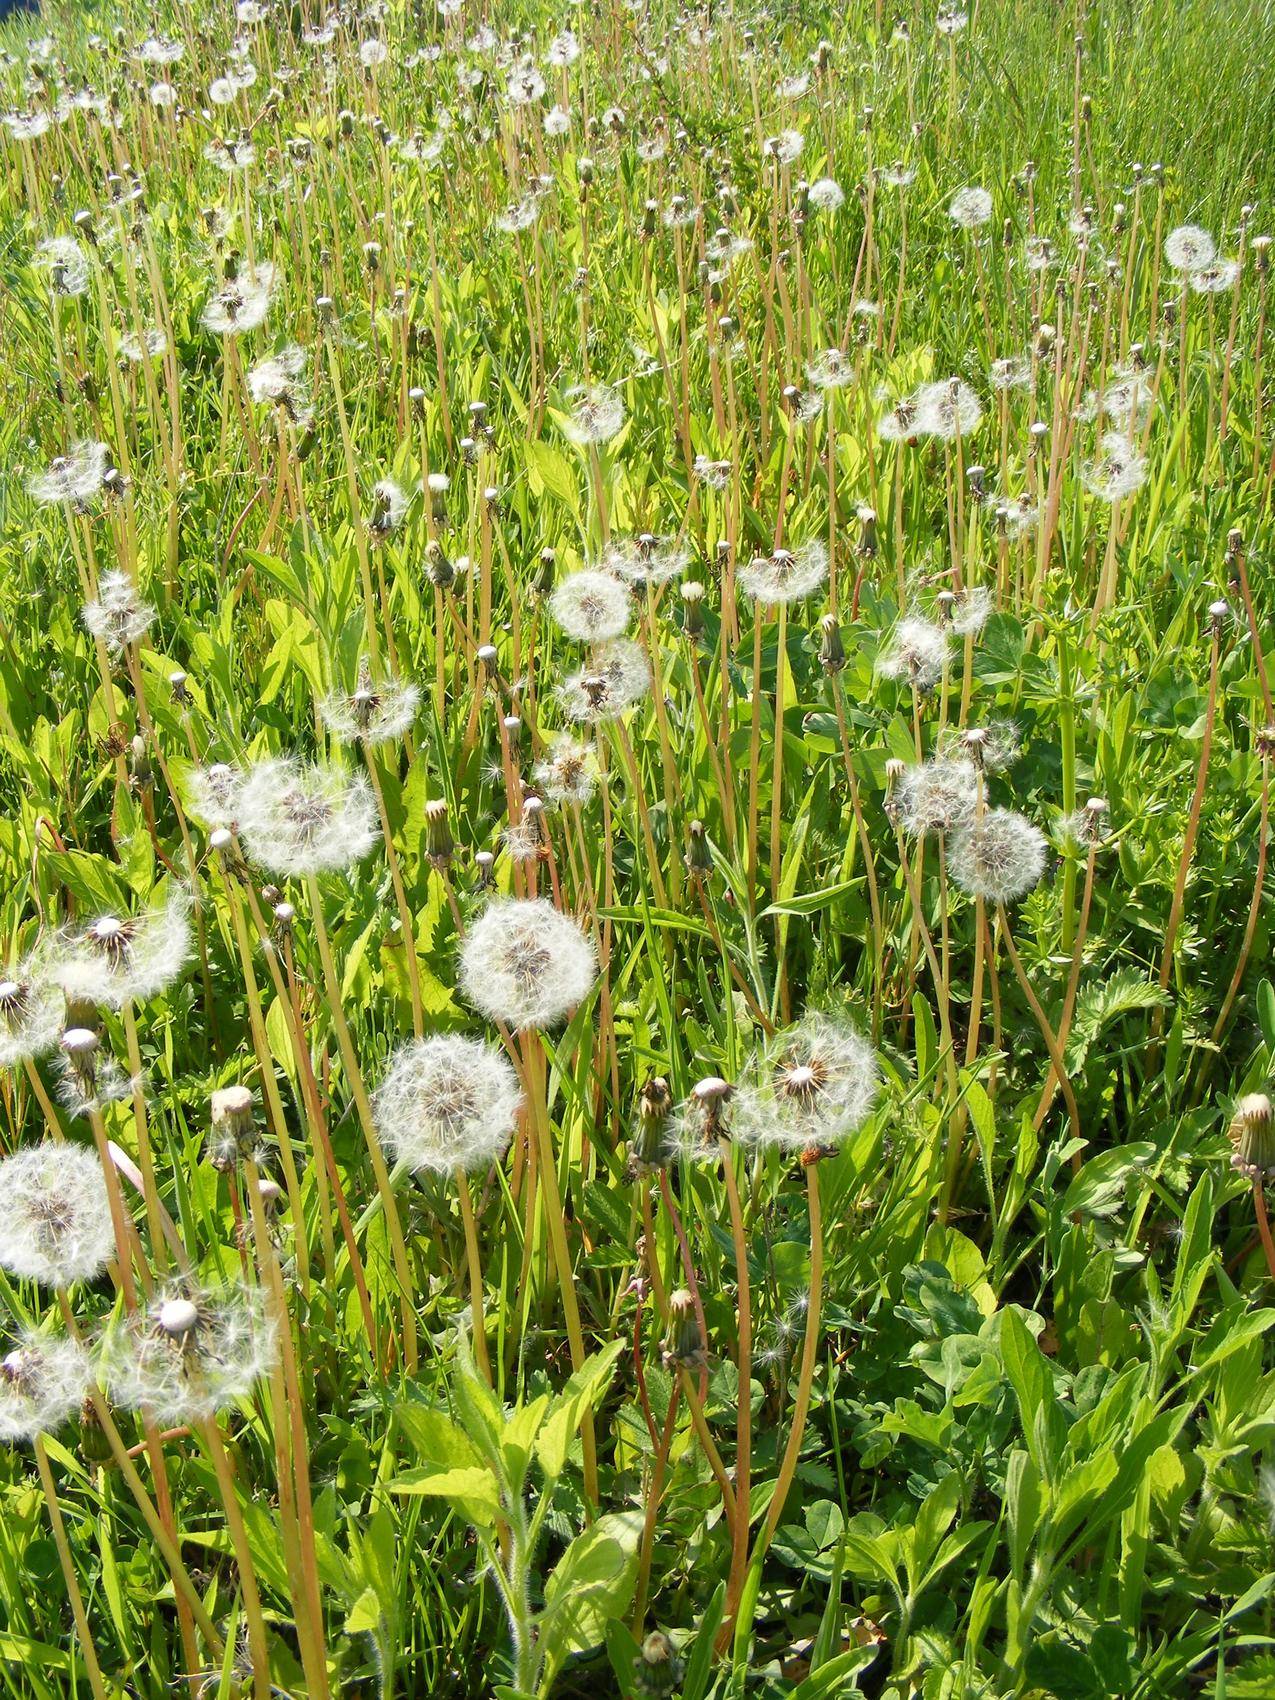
559, 1429
472, 1492
591, 1584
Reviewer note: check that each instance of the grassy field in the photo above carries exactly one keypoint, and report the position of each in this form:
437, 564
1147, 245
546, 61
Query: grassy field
636, 747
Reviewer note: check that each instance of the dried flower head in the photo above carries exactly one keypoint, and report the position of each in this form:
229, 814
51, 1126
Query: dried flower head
526, 964
447, 1103
75, 478
241, 303
646, 559
1252, 1134
947, 409
56, 1226
117, 959
298, 819
597, 413
1119, 471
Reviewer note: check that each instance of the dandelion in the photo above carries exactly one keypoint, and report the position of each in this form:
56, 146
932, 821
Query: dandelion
373, 53
519, 215
390, 503
999, 856
716, 474
970, 208
526, 964
557, 121
67, 265
898, 424
936, 796
118, 617
447, 1103
242, 302
597, 413
212, 795
117, 960
192, 1352
1125, 400
991, 747
950, 20
591, 606
301, 820
148, 344
30, 1013
947, 409
569, 772
1189, 249
43, 1381
1119, 471
371, 714
898, 175
786, 575
87, 1082
278, 381
1216, 278
917, 652
704, 1119
1010, 373
1252, 1136
619, 677
75, 478
785, 147
56, 1223
831, 370
971, 611
646, 559
826, 195
818, 1087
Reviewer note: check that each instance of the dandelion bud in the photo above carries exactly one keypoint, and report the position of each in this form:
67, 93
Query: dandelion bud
832, 653
542, 583
484, 863
139, 765
693, 609
685, 1348
439, 845
1218, 612
439, 568
657, 1670
1252, 1134
867, 545
699, 858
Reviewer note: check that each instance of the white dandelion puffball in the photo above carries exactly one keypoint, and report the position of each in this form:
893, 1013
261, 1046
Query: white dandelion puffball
118, 617
787, 575
591, 606
1119, 471
947, 409
999, 856
56, 1223
297, 819
569, 772
970, 208
827, 195
121, 959
936, 796
192, 1353
447, 1103
819, 1082
597, 413
43, 1381
647, 559
918, 652
371, 714
619, 676
526, 964
31, 1012
242, 302
1189, 249
75, 477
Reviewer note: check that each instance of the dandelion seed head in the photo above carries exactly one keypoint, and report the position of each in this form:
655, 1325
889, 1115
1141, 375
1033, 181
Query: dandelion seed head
618, 677
75, 477
597, 413
998, 856
815, 1086
118, 617
785, 575
826, 195
569, 772
241, 303
917, 652
67, 265
969, 208
372, 714
447, 1103
55, 1224
1119, 471
936, 796
192, 1353
1189, 248
591, 606
526, 964
43, 1381
299, 820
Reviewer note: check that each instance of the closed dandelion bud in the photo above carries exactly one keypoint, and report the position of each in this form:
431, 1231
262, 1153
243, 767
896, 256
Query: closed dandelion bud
685, 1348
1261, 246
650, 217
439, 846
469, 451
1266, 742
657, 1670
139, 765
487, 660
284, 915
584, 173
546, 572
1252, 1134
832, 653
649, 1149
484, 863
95, 1448
946, 601
346, 121
440, 569
867, 545
512, 724
178, 688
416, 400
699, 859
693, 608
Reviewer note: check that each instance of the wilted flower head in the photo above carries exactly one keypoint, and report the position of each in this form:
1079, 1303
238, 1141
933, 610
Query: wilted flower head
371, 714
597, 413
390, 503
569, 772
43, 1381
946, 409
618, 677
817, 1087
298, 819
116, 960
971, 610
1188, 248
67, 265
190, 1354
786, 575
917, 652
241, 302
119, 616
447, 1103
646, 559
525, 963
936, 796
970, 208
591, 606
1119, 471
75, 477
998, 856
30, 1013
55, 1226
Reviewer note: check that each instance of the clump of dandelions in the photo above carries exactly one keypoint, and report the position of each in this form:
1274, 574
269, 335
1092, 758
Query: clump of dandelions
119, 959
75, 477
935, 796
371, 714
999, 856
618, 676
190, 1354
56, 1226
43, 1381
299, 819
597, 413
786, 575
569, 771
30, 1013
591, 606
917, 652
526, 964
817, 1086
446, 1103
1119, 471
118, 617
